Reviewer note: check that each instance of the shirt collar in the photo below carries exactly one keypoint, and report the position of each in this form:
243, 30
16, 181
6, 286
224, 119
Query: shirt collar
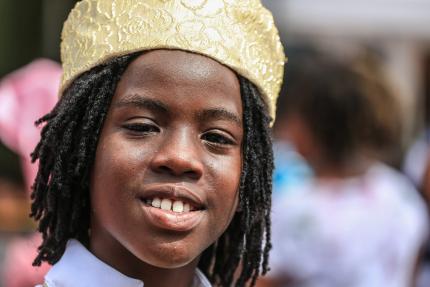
80, 268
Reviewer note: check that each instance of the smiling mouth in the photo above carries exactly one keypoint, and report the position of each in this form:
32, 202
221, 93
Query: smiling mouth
172, 214
172, 207
167, 204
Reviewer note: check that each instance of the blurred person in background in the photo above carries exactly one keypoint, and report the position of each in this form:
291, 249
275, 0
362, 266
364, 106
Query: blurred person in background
358, 222
424, 275
417, 167
291, 169
25, 95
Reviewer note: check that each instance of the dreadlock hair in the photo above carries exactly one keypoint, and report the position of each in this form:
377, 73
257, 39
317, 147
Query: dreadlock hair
66, 151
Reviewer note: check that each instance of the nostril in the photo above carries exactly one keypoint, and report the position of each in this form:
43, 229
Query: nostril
192, 174
178, 166
188, 172
164, 169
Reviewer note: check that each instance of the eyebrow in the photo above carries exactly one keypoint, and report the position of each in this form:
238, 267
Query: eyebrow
143, 103
158, 106
218, 114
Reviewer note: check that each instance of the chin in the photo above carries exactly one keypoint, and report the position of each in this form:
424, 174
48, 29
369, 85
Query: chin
171, 264
170, 256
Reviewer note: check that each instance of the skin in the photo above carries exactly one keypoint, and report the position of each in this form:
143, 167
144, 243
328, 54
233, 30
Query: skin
176, 119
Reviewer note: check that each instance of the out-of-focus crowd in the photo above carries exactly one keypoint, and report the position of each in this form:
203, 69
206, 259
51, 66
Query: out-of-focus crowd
345, 213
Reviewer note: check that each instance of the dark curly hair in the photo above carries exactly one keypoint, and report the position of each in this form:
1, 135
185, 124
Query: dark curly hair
61, 201
346, 107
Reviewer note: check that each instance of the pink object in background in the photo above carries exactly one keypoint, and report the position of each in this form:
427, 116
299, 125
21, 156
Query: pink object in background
18, 271
26, 95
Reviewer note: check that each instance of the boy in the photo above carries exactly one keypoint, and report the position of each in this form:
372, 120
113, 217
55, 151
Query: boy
155, 166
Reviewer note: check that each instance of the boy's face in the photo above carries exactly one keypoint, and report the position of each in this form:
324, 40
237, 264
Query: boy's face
165, 180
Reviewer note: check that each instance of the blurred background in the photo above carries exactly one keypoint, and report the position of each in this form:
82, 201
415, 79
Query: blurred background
351, 185
367, 63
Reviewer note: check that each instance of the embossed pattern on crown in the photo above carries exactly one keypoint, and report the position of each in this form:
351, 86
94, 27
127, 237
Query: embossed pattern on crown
238, 33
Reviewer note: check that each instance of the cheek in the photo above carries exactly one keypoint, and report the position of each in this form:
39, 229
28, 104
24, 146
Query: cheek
225, 189
106, 177
115, 175
118, 162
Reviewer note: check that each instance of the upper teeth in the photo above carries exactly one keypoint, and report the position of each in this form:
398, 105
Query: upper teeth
167, 204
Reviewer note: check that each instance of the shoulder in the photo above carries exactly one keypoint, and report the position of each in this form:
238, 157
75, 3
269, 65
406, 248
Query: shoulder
392, 184
397, 196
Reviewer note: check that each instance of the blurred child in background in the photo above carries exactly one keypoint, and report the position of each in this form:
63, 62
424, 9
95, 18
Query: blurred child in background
358, 223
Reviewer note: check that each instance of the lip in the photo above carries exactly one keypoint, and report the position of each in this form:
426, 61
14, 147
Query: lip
167, 219
173, 192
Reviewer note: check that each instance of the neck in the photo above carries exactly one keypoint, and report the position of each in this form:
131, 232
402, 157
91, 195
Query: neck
351, 168
160, 277
128, 264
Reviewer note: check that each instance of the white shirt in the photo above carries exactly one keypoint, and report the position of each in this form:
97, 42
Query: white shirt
80, 268
358, 232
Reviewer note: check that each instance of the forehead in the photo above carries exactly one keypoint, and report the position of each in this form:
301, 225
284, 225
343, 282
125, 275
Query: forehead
167, 73
174, 65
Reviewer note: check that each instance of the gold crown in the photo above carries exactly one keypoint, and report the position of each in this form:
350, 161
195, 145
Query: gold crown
237, 33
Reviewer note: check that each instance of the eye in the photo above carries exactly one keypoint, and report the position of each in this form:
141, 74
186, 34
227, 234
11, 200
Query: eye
141, 128
218, 138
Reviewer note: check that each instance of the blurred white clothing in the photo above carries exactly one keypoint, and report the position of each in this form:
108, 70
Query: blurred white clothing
358, 232
78, 267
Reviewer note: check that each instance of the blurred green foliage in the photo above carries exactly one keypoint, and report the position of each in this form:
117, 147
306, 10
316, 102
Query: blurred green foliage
30, 29
20, 33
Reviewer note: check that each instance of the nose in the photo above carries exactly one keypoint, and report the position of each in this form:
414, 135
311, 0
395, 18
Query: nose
178, 156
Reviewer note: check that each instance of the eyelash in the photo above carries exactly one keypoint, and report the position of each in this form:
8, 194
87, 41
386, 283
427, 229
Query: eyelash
212, 138
141, 128
217, 139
